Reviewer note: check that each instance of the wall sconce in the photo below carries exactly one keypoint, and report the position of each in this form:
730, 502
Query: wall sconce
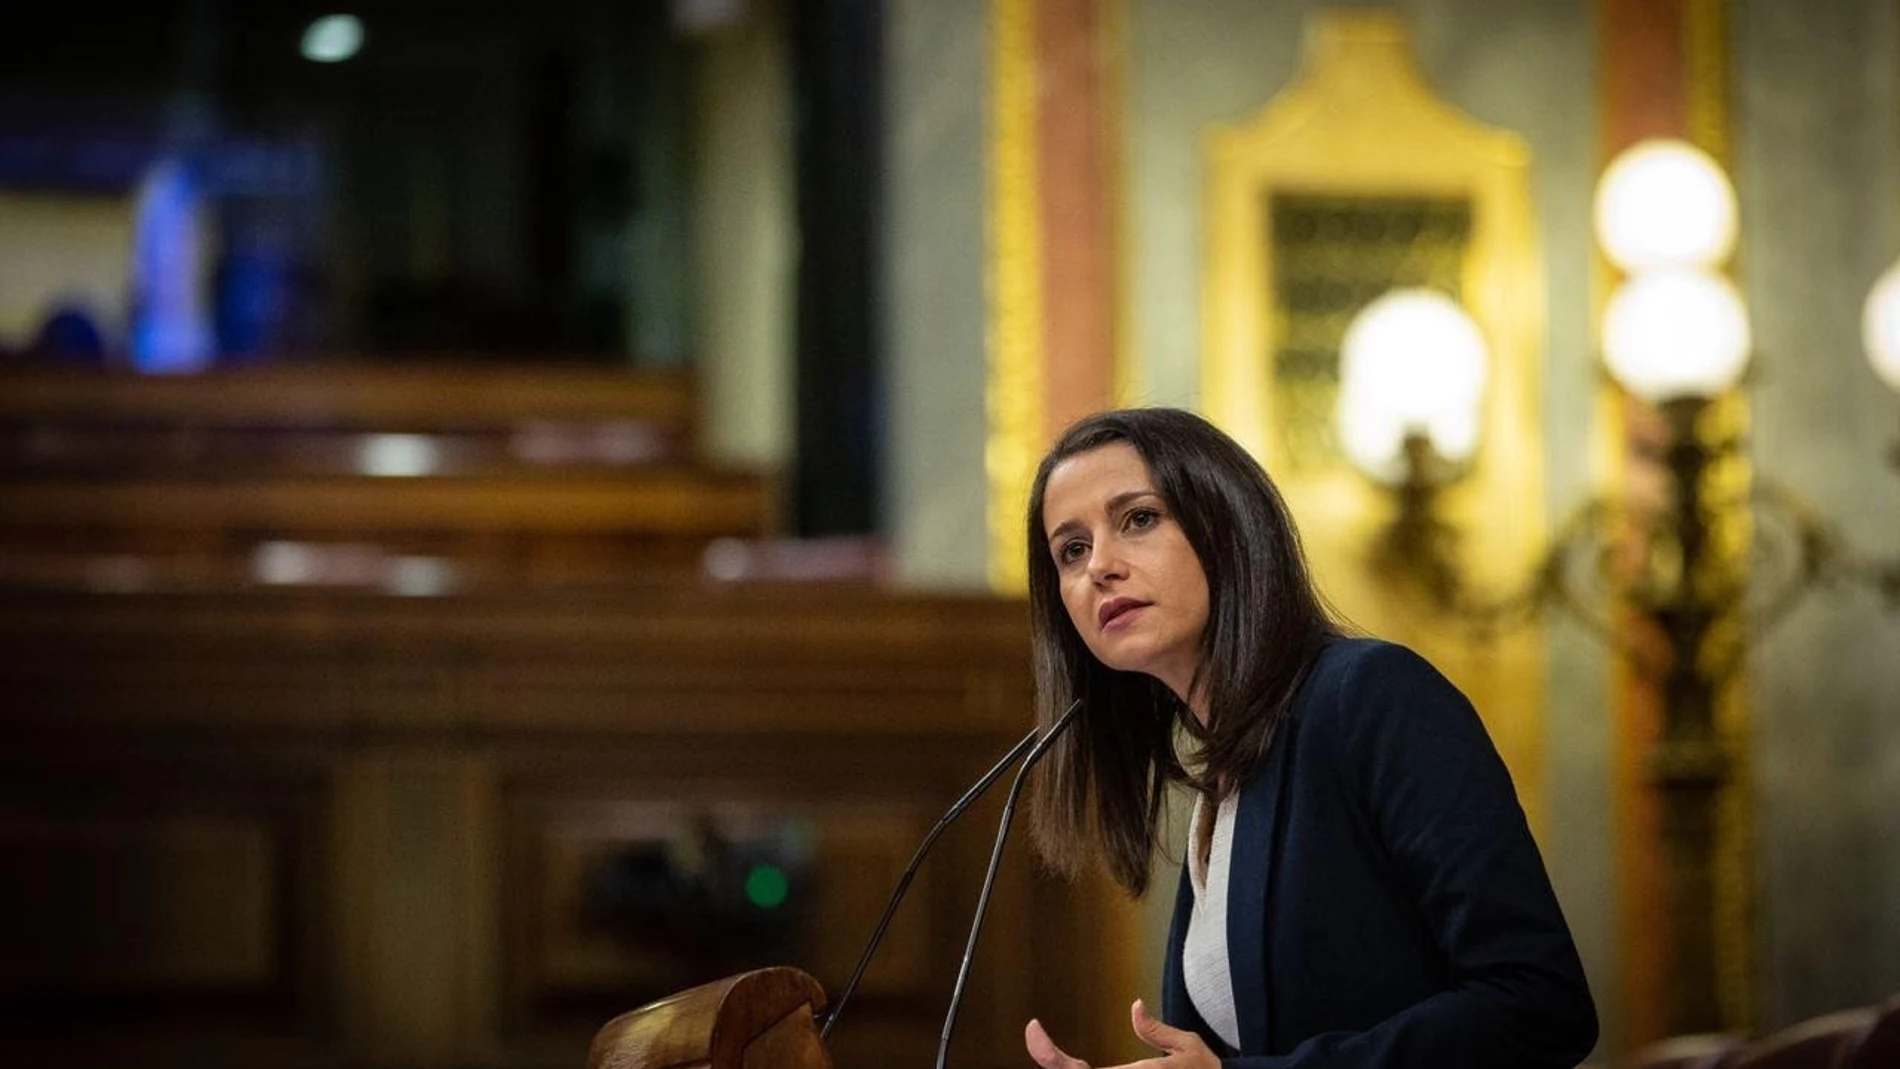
1675, 336
1411, 380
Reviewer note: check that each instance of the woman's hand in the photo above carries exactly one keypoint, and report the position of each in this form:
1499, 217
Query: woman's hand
1180, 1050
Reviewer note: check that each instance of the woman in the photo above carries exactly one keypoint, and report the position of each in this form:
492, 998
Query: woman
1361, 886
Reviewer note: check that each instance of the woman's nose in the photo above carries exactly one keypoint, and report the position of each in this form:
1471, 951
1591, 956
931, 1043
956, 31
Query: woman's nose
1105, 562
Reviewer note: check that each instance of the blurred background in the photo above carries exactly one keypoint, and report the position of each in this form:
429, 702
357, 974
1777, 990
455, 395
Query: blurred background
511, 510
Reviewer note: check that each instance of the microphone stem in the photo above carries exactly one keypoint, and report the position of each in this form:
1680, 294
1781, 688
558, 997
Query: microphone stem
976, 926
989, 878
910, 871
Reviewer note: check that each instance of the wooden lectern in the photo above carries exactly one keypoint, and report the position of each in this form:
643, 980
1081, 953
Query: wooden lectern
755, 1020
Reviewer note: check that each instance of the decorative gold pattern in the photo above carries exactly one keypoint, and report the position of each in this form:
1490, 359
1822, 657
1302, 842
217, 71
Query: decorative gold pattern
1359, 124
1336, 255
1731, 533
1013, 394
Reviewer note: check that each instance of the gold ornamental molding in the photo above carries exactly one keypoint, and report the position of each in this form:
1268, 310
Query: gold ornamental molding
1013, 388
1354, 179
1706, 53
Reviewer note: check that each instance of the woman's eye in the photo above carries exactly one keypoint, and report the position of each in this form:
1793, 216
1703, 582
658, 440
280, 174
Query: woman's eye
1072, 551
1142, 519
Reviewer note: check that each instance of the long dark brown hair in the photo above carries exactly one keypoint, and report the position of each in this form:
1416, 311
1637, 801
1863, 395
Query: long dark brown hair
1099, 790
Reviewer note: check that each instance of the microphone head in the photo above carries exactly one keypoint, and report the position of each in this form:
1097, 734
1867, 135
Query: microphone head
1048, 738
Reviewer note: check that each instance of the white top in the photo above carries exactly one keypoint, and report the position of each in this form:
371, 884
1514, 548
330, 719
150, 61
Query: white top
1210, 983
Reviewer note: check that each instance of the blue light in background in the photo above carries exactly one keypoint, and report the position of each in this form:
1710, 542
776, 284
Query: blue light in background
171, 324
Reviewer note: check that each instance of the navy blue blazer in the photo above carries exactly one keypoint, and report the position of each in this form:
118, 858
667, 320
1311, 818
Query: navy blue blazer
1386, 904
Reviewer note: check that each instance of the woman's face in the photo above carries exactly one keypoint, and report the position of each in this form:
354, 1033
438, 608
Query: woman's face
1134, 589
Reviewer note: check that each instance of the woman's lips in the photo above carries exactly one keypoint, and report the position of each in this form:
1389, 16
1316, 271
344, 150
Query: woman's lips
1119, 611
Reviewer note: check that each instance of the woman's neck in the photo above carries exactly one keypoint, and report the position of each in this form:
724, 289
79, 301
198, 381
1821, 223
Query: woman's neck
1197, 704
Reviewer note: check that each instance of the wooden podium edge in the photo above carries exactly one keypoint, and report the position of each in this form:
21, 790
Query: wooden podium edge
751, 1020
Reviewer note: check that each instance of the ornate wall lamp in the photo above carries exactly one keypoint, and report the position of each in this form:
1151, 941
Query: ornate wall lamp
1676, 337
1411, 380
1675, 581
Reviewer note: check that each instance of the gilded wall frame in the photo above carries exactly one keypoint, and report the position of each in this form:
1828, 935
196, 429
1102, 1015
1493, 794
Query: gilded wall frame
1359, 122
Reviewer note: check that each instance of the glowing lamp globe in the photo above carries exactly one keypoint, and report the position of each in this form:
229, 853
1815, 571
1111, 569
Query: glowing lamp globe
1676, 334
1880, 327
1412, 361
1665, 203
1417, 352
1372, 435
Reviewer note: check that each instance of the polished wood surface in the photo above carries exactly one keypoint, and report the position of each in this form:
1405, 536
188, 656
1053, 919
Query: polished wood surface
762, 1018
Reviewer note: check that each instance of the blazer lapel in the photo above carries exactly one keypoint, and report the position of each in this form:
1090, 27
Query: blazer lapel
1249, 875
1177, 1008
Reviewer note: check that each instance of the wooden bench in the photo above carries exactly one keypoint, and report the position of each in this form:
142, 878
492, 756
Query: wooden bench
360, 475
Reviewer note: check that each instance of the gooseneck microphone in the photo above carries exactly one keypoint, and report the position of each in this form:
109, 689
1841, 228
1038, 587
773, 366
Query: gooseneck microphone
989, 878
903, 883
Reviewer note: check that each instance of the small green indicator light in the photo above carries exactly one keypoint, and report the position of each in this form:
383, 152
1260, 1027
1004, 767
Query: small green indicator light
766, 886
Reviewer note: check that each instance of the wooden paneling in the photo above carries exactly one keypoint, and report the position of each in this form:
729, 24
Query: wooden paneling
587, 931
371, 831
163, 889
98, 880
